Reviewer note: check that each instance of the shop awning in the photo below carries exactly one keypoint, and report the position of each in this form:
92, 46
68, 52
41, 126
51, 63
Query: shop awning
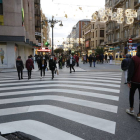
44, 50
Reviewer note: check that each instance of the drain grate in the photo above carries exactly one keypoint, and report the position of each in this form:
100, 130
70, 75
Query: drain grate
16, 136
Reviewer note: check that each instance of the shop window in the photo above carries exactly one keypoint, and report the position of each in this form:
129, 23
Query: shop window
101, 33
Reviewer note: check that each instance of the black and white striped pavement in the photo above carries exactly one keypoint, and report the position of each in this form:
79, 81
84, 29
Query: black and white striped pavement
77, 106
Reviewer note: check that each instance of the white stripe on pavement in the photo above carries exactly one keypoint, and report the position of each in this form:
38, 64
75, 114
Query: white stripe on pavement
91, 104
66, 91
61, 85
69, 78
51, 82
37, 129
91, 121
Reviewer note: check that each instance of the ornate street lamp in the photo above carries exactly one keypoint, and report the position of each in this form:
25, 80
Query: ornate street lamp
53, 22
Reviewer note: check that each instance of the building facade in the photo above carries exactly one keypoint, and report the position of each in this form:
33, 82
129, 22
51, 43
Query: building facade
93, 35
118, 35
17, 31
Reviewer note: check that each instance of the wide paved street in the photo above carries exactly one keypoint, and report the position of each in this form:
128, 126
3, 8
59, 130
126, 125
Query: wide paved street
83, 105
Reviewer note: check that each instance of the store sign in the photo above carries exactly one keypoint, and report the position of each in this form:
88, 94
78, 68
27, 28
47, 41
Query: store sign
111, 49
117, 48
87, 43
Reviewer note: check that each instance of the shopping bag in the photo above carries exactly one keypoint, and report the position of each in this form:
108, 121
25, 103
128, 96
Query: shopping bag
57, 72
46, 69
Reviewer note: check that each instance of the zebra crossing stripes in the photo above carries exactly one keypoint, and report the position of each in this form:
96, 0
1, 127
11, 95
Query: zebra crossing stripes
87, 120
61, 85
66, 91
51, 82
96, 105
32, 127
80, 84
56, 78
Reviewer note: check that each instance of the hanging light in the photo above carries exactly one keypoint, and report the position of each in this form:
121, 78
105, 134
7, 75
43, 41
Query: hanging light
104, 18
129, 20
94, 17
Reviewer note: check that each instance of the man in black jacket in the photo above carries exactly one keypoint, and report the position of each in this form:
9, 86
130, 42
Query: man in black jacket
125, 65
52, 65
133, 81
20, 67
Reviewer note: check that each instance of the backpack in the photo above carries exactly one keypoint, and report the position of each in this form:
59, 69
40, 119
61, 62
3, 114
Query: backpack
18, 64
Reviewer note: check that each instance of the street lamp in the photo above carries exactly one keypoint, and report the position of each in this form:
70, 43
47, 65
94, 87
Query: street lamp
53, 22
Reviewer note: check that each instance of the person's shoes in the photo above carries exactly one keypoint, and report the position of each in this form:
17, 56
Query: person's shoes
28, 78
70, 72
138, 117
131, 112
19, 78
22, 78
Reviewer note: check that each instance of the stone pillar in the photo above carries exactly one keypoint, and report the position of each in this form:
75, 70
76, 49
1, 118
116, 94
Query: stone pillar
11, 56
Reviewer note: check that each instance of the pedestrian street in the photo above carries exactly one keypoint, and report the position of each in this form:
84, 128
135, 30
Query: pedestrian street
80, 106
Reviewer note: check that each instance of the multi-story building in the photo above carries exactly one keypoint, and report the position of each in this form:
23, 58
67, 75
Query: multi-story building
79, 27
37, 21
94, 36
45, 30
117, 35
17, 31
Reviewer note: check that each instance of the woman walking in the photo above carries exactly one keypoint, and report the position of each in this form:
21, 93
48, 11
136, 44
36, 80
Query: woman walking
29, 66
42, 66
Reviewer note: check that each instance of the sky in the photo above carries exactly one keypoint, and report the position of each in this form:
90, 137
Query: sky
75, 9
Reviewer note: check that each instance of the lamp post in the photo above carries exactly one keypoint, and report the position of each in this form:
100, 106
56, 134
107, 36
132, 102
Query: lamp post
53, 22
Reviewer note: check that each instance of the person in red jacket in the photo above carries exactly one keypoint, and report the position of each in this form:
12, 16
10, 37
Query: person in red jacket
133, 81
77, 60
29, 66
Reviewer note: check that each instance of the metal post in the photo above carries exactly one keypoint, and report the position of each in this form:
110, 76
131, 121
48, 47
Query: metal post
52, 33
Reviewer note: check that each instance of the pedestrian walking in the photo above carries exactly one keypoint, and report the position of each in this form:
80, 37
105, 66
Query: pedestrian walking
133, 81
52, 65
77, 60
38, 60
20, 67
110, 58
125, 65
106, 61
29, 66
42, 65
86, 58
71, 63
94, 60
90, 60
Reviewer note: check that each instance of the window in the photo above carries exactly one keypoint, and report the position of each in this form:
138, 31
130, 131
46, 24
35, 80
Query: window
101, 41
101, 33
96, 43
96, 33
83, 32
93, 34
1, 8
93, 26
1, 13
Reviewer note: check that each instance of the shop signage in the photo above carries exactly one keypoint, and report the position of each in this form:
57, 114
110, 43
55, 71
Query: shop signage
117, 48
111, 49
87, 43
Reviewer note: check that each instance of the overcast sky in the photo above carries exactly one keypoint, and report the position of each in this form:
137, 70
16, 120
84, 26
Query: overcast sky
58, 8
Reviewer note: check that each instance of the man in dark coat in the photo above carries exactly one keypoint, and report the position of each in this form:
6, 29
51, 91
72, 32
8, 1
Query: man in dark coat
20, 67
133, 81
94, 60
52, 65
90, 60
29, 66
125, 65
